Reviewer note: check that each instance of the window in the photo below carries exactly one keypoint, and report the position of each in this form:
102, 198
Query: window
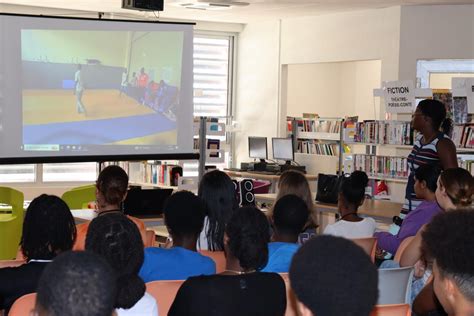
17, 173
64, 172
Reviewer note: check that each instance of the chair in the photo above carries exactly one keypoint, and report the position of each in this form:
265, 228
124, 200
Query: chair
290, 297
368, 244
391, 310
403, 245
395, 285
164, 293
11, 263
218, 257
23, 305
150, 238
11, 224
79, 197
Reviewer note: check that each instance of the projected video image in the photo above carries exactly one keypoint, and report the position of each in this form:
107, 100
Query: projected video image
100, 87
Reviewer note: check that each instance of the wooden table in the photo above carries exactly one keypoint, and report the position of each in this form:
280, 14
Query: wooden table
273, 178
381, 209
84, 215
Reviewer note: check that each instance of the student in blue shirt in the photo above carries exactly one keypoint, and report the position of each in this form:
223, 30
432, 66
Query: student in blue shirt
290, 215
184, 218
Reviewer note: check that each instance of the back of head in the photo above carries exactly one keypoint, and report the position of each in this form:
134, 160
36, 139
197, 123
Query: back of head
353, 188
248, 233
118, 240
448, 239
295, 182
184, 214
290, 214
48, 228
327, 285
112, 184
429, 174
218, 195
459, 186
436, 111
76, 284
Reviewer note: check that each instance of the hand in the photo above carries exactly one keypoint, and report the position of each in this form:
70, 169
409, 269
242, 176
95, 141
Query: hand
380, 253
420, 268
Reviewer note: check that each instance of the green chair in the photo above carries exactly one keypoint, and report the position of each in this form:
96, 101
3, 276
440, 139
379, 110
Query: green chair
78, 198
11, 223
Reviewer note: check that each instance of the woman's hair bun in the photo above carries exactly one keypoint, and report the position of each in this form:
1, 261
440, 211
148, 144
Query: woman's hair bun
359, 178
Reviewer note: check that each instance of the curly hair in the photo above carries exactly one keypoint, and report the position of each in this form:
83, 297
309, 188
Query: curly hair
459, 186
353, 188
184, 214
76, 284
290, 214
219, 196
327, 285
112, 183
429, 174
48, 228
248, 236
448, 239
118, 241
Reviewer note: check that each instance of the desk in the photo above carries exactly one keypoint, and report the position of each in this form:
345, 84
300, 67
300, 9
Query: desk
383, 210
84, 215
273, 178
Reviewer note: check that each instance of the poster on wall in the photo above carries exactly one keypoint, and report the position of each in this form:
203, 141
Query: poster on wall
399, 96
464, 87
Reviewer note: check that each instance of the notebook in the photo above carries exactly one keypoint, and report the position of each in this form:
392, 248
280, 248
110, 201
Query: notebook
146, 203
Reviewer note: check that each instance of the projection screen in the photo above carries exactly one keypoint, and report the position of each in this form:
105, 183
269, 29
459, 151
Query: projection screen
93, 90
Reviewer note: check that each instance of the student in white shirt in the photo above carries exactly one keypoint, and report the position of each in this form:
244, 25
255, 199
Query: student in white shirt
351, 196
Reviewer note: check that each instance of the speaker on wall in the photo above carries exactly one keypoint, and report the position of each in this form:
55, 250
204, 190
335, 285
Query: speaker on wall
246, 194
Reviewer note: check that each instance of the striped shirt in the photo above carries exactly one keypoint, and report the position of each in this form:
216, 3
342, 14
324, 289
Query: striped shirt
426, 154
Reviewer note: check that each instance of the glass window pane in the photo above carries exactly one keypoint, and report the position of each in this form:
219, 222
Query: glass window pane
70, 172
17, 173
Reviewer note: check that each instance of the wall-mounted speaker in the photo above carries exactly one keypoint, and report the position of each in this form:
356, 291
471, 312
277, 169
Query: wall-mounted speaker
246, 195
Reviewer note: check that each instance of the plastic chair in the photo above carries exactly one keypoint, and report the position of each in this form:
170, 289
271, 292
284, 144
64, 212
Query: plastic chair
11, 263
395, 285
290, 297
164, 293
11, 224
368, 244
218, 257
391, 310
23, 305
150, 238
403, 245
79, 197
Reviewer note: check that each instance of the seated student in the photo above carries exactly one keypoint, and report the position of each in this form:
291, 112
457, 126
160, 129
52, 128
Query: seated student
290, 214
426, 177
76, 284
241, 289
48, 229
352, 195
112, 185
118, 241
184, 217
448, 241
325, 285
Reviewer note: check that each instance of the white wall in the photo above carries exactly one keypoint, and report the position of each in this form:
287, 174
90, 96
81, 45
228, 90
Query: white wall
257, 84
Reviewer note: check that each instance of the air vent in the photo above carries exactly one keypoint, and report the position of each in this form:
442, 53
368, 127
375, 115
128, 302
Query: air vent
210, 5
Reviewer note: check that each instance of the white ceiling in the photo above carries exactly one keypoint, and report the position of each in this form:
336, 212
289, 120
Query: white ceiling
257, 10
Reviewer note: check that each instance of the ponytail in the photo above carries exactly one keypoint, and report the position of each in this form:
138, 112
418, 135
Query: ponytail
447, 126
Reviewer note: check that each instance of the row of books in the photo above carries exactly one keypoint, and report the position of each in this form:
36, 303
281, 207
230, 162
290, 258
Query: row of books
466, 161
463, 135
316, 125
379, 132
381, 166
317, 148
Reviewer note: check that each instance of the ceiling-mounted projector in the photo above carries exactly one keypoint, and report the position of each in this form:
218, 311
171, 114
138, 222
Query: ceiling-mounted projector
143, 5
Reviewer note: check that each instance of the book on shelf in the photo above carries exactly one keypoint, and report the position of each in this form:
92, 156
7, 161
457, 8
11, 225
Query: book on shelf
381, 166
463, 135
466, 161
380, 132
152, 172
318, 125
316, 147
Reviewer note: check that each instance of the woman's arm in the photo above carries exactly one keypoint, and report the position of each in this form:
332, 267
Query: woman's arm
412, 252
447, 153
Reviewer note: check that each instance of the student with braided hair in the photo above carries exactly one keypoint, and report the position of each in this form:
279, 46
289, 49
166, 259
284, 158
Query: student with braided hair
118, 241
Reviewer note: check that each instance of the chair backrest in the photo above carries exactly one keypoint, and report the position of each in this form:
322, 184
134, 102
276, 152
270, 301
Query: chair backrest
368, 244
218, 257
395, 285
79, 197
23, 305
11, 224
164, 293
11, 263
290, 296
403, 245
150, 238
391, 310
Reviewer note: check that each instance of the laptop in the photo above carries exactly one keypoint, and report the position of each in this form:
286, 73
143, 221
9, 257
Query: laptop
146, 203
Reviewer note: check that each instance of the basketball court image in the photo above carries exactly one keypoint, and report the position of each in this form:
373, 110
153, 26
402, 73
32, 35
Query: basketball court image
109, 118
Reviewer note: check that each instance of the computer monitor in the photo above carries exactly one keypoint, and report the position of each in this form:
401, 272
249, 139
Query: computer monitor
283, 149
258, 148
